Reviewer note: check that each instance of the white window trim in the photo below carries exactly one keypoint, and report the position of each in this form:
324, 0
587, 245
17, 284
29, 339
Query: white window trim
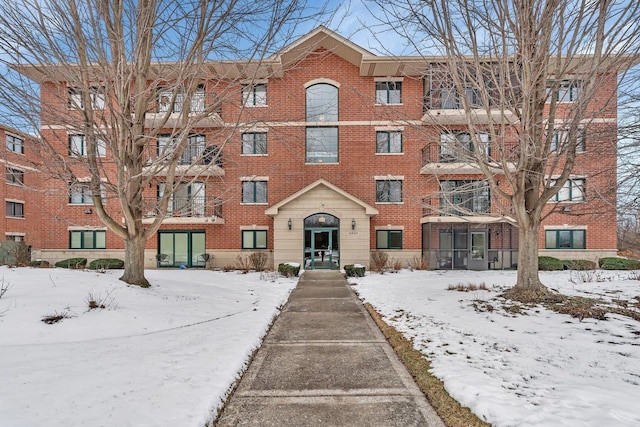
322, 80
254, 178
388, 79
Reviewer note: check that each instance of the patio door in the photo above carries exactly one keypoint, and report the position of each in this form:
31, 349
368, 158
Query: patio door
478, 256
183, 248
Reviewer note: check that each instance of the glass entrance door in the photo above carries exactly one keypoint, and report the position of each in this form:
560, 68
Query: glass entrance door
321, 242
181, 248
478, 259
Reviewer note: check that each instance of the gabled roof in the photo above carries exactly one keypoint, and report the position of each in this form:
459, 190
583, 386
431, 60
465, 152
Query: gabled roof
369, 210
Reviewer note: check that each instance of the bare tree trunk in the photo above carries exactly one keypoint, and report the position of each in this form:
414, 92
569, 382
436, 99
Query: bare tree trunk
134, 261
528, 279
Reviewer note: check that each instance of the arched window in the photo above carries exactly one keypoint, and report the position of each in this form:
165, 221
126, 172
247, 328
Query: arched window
322, 103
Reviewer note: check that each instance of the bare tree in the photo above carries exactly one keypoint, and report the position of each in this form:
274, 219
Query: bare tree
111, 77
510, 64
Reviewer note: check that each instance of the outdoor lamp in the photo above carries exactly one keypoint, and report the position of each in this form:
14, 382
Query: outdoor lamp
353, 224
289, 223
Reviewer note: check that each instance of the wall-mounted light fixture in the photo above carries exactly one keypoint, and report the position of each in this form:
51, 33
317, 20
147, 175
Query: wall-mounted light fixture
289, 223
353, 224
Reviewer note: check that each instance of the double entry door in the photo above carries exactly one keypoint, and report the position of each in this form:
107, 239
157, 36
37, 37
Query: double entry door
321, 248
181, 248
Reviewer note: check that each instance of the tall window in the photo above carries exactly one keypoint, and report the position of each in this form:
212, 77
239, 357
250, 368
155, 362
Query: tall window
322, 145
15, 176
389, 239
565, 239
198, 100
322, 103
571, 191
78, 146
388, 142
15, 209
80, 194
254, 95
388, 191
15, 144
254, 192
254, 239
464, 197
388, 92
254, 143
87, 239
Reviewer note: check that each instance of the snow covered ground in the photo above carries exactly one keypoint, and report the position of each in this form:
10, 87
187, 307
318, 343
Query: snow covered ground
164, 356
538, 369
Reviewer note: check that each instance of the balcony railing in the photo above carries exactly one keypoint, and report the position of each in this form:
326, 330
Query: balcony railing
200, 102
193, 154
440, 153
187, 207
464, 204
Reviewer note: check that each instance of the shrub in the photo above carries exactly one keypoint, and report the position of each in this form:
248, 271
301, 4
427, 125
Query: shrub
613, 263
258, 260
243, 263
40, 264
579, 264
106, 264
289, 269
354, 270
548, 263
418, 263
379, 261
72, 263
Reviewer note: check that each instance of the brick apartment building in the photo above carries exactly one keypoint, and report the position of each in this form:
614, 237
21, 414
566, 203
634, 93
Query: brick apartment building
21, 222
341, 153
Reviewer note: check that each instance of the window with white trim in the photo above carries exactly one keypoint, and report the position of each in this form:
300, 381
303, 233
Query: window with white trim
98, 100
322, 103
254, 95
15, 237
388, 191
15, 176
560, 139
254, 192
15, 209
572, 191
78, 146
388, 142
15, 144
566, 91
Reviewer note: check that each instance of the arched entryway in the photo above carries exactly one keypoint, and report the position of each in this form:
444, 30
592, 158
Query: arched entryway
321, 242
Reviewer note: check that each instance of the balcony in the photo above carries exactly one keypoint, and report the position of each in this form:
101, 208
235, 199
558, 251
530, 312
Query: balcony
205, 112
197, 159
187, 210
459, 158
470, 204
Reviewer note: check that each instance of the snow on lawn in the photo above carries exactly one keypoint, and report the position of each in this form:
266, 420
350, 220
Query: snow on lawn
538, 369
163, 356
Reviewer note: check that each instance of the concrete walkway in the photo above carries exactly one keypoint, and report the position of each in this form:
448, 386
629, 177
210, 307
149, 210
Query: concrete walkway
325, 363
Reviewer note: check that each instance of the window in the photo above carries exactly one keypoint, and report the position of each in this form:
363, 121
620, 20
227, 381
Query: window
450, 99
565, 239
322, 103
456, 147
15, 237
78, 146
195, 152
254, 192
15, 176
80, 194
464, 197
389, 239
571, 191
15, 144
561, 137
388, 191
198, 100
254, 143
322, 145
187, 200
87, 239
254, 239
254, 95
388, 142
15, 209
567, 91
97, 99
388, 92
